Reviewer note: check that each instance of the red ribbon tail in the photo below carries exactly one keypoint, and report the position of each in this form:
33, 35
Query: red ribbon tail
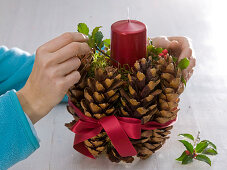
118, 136
80, 147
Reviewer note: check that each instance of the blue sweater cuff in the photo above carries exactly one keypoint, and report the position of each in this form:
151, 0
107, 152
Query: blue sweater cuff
65, 99
23, 120
32, 128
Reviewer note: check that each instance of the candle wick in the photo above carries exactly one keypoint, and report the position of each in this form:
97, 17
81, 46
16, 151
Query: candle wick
128, 14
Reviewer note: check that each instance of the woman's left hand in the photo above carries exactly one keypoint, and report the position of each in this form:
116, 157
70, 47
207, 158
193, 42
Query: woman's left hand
180, 47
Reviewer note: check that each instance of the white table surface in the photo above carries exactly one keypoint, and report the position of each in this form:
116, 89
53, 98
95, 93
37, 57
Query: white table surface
30, 23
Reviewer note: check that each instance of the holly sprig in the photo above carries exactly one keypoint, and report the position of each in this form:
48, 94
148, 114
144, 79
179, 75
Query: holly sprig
197, 150
101, 48
96, 40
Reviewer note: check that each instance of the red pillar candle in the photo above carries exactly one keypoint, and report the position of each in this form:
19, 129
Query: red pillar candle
128, 41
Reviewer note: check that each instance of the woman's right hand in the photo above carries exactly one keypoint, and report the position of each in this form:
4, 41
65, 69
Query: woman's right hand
54, 72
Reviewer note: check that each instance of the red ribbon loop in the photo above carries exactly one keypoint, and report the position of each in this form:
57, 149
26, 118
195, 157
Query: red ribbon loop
119, 129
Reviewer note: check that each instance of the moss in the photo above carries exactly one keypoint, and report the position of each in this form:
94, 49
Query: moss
98, 61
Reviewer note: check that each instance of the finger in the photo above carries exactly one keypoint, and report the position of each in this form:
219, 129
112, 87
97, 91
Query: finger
63, 40
71, 50
184, 41
72, 78
174, 44
175, 48
185, 53
189, 75
68, 66
192, 63
162, 42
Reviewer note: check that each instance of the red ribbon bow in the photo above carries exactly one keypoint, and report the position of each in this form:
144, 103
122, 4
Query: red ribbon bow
119, 130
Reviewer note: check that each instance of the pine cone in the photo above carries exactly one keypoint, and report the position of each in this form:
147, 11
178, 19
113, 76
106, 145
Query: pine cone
171, 87
153, 95
99, 96
141, 99
102, 93
97, 144
76, 92
114, 156
151, 140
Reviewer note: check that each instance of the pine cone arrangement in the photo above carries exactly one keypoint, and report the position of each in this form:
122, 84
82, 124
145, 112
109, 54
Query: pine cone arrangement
149, 92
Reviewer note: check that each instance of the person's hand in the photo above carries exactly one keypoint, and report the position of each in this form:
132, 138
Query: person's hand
179, 47
54, 72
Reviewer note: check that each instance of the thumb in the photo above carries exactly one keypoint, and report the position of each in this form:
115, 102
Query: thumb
175, 48
174, 45
162, 42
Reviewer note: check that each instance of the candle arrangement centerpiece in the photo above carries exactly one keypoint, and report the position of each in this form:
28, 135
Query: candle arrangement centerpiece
127, 99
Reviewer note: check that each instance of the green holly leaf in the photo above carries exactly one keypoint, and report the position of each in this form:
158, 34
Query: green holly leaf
91, 42
174, 59
186, 135
95, 30
210, 143
210, 151
181, 157
187, 159
159, 50
203, 158
183, 80
107, 42
201, 146
98, 39
188, 145
183, 64
82, 28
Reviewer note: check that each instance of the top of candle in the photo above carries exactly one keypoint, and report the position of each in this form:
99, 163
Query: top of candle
128, 26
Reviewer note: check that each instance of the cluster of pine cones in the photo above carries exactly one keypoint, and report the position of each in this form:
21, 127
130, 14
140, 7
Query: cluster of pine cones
149, 93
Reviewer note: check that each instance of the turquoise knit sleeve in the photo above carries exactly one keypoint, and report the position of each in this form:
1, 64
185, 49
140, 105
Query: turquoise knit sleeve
15, 67
18, 137
17, 141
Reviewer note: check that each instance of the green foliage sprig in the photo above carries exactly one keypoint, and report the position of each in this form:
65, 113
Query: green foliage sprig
95, 41
95, 38
196, 150
101, 48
